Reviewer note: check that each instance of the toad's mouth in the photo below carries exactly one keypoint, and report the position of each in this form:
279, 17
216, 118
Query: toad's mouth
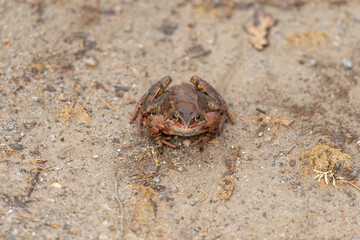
186, 131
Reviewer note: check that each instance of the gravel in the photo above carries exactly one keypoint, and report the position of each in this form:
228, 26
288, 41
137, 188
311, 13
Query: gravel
347, 63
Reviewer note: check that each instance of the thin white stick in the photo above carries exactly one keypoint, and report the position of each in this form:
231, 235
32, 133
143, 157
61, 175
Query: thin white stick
121, 210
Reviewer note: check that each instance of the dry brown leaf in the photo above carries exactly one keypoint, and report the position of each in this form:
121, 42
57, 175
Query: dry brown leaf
262, 23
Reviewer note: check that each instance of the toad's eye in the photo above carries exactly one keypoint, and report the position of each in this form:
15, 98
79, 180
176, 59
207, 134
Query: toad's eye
198, 117
175, 117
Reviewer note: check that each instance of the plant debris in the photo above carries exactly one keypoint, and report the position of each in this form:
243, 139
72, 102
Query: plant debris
69, 113
227, 187
262, 118
311, 37
107, 104
262, 24
331, 164
146, 207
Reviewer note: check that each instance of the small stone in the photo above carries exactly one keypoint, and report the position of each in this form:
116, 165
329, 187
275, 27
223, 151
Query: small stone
10, 102
35, 99
351, 203
292, 162
16, 146
312, 63
156, 179
168, 28
95, 156
354, 173
260, 134
66, 226
180, 169
8, 137
187, 143
53, 138
49, 88
338, 137
326, 199
248, 158
62, 97
162, 195
347, 63
348, 193
17, 138
193, 203
91, 61
56, 185
11, 126
267, 139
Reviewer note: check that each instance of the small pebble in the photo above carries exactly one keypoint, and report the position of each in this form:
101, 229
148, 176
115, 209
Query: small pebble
56, 185
161, 196
292, 162
17, 138
193, 203
53, 138
35, 99
354, 173
156, 179
66, 226
267, 139
16, 146
95, 156
351, 203
62, 97
248, 158
347, 63
8, 137
187, 143
312, 63
11, 126
338, 137
326, 199
91, 61
260, 134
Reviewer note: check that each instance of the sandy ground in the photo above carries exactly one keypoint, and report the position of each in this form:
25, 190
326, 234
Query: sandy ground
71, 73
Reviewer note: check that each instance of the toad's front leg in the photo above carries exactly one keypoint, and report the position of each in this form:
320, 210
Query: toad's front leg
155, 128
213, 126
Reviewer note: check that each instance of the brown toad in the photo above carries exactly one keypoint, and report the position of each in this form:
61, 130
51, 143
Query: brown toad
183, 110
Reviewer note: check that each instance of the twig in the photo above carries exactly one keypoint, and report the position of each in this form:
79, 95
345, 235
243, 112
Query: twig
290, 150
350, 183
32, 184
121, 210
107, 104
